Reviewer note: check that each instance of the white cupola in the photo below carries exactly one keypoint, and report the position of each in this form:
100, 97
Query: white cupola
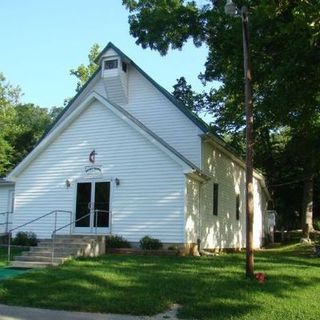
114, 72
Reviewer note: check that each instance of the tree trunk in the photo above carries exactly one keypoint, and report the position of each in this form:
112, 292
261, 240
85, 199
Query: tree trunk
307, 210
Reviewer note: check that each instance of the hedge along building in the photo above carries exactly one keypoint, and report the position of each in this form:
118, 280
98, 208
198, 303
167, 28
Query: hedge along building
124, 157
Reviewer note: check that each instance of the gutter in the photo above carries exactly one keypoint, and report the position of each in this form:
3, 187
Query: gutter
4, 182
198, 175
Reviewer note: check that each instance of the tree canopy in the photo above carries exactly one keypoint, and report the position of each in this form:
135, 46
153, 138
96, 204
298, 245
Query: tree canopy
21, 125
285, 43
84, 72
285, 40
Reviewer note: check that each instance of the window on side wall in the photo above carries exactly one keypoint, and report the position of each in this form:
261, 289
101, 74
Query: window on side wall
238, 207
215, 199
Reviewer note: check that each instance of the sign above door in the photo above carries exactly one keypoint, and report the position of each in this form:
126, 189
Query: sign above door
93, 170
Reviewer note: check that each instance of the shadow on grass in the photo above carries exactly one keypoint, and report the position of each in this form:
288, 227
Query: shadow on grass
207, 287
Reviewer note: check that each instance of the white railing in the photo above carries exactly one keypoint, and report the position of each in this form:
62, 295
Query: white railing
73, 222
7, 222
55, 212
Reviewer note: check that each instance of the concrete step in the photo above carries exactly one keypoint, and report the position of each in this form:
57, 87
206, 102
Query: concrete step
64, 248
45, 252
31, 264
59, 245
64, 242
57, 260
77, 236
71, 238
49, 254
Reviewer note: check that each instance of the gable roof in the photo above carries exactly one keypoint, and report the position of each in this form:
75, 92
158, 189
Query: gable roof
193, 117
124, 115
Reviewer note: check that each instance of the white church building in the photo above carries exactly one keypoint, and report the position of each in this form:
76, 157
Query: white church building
126, 158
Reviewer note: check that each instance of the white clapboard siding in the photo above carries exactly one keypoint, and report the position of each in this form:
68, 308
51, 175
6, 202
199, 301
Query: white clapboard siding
224, 230
109, 53
94, 84
154, 110
192, 226
148, 201
4, 205
150, 106
260, 208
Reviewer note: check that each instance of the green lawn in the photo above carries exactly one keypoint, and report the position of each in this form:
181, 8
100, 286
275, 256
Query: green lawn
207, 288
4, 255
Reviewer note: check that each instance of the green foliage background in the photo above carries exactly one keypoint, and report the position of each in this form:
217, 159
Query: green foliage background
285, 46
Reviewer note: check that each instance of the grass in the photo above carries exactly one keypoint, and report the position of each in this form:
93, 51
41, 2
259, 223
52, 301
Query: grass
207, 288
4, 255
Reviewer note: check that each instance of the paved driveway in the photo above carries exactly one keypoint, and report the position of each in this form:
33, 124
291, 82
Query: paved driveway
21, 313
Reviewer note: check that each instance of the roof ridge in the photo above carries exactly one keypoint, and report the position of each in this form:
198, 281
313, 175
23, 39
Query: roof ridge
192, 116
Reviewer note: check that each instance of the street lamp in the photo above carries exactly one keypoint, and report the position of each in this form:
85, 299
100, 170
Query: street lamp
232, 10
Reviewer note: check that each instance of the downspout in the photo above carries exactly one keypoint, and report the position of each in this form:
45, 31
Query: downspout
200, 240
201, 252
199, 200
199, 219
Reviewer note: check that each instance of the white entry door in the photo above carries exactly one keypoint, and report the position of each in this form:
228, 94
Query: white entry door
92, 213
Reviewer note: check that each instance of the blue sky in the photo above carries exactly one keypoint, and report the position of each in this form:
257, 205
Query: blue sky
42, 40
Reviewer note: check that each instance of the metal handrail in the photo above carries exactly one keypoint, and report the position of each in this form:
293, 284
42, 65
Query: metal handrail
7, 219
96, 217
32, 221
54, 232
39, 218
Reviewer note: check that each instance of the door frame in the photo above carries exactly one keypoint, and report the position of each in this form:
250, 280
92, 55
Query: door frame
91, 229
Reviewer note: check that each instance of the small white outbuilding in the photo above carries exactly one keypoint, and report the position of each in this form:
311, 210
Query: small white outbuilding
126, 158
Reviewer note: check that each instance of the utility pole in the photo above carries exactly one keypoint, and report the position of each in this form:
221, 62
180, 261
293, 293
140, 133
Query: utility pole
232, 10
249, 144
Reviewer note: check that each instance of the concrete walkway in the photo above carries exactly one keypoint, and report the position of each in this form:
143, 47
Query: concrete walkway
22, 313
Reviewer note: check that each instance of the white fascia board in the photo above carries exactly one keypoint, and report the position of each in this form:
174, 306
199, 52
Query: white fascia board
197, 176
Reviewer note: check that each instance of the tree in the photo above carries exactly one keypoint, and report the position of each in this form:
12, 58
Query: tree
9, 97
196, 102
22, 125
55, 112
30, 122
285, 40
84, 72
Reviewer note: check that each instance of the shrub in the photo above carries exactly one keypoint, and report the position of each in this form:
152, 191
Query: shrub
173, 248
316, 224
114, 241
148, 243
23, 238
